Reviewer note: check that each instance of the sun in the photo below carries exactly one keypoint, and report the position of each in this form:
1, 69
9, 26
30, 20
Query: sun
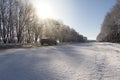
44, 10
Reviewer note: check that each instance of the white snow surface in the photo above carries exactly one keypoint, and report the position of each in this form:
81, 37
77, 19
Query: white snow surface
85, 61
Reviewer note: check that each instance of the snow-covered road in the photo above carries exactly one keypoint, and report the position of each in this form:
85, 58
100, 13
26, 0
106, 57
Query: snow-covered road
85, 61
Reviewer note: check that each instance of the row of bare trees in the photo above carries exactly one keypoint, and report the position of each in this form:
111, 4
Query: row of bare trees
19, 24
110, 31
14, 20
59, 31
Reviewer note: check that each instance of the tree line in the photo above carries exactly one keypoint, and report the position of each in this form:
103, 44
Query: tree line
110, 31
20, 24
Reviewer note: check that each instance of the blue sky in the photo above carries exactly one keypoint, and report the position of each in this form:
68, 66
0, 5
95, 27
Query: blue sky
85, 16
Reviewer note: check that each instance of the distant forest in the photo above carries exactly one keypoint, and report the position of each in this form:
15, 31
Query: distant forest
20, 24
110, 31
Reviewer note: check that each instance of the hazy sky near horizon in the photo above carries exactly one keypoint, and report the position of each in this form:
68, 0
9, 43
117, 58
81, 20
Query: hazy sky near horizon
85, 16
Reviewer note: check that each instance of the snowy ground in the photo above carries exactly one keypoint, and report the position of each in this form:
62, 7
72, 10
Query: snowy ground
86, 61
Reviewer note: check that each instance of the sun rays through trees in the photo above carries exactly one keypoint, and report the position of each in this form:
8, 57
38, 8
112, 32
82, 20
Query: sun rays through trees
20, 24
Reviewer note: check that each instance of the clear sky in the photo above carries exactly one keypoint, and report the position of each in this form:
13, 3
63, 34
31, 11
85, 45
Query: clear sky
85, 16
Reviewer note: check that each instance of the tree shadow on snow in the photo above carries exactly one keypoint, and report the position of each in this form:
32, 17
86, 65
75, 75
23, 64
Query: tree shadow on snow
24, 65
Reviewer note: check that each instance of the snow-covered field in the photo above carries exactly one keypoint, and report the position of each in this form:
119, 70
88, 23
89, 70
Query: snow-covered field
85, 61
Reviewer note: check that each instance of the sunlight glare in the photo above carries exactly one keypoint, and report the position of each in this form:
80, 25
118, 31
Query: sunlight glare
44, 10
